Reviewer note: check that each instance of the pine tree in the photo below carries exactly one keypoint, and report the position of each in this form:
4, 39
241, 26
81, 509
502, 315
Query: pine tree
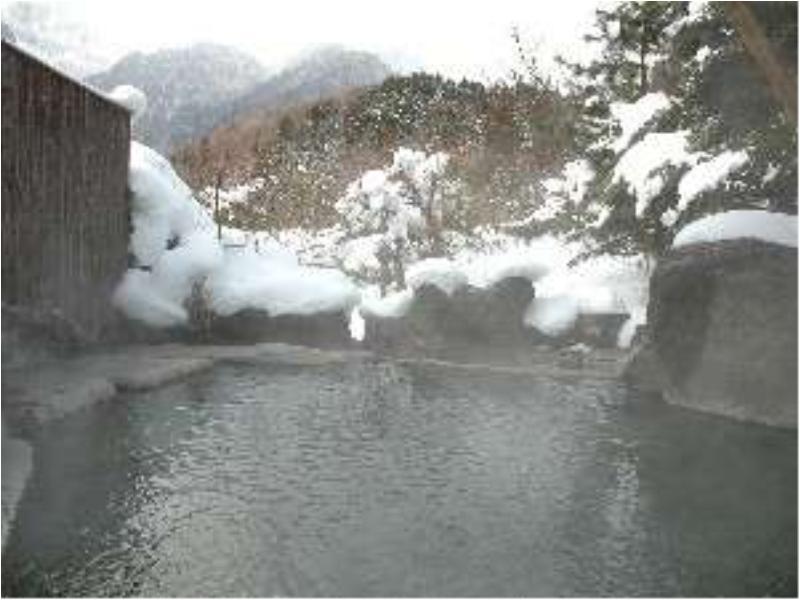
719, 103
633, 36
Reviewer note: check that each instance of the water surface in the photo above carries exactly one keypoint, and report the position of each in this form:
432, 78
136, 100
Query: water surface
372, 479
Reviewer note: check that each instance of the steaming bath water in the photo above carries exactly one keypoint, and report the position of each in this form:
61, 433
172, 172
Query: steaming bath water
380, 480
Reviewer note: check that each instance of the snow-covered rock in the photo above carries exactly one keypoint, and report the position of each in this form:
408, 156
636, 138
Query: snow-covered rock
723, 330
776, 228
440, 272
467, 320
277, 285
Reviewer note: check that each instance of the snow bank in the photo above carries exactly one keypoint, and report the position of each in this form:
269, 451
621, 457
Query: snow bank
279, 286
440, 272
633, 116
708, 174
639, 166
131, 98
777, 228
174, 243
173, 238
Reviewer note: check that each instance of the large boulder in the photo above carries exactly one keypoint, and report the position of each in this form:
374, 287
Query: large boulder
722, 334
425, 328
470, 320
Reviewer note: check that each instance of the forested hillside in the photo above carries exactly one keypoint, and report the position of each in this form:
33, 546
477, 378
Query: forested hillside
502, 140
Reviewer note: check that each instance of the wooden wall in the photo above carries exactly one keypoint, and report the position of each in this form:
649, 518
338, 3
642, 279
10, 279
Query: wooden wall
65, 151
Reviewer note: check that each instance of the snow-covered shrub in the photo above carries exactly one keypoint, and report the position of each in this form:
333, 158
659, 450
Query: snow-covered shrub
396, 215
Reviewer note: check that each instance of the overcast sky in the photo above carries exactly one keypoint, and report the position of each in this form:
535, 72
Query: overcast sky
470, 38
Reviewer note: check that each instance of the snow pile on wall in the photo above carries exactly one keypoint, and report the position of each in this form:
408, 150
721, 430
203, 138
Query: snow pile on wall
777, 228
175, 247
131, 98
172, 238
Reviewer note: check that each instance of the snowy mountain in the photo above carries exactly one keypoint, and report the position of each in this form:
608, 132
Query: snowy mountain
185, 88
192, 90
317, 74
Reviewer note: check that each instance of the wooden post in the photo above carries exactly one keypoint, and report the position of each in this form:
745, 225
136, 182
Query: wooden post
216, 205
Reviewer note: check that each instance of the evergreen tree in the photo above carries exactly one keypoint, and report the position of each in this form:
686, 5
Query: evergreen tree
721, 117
633, 36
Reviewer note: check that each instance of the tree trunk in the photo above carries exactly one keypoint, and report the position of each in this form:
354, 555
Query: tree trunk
782, 83
643, 66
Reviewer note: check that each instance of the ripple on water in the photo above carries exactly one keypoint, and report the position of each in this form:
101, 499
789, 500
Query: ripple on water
374, 479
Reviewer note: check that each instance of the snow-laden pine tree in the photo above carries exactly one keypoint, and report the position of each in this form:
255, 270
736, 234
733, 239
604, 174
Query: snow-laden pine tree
695, 130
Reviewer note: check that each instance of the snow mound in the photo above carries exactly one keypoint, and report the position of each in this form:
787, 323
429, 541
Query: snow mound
131, 98
174, 243
269, 282
162, 207
440, 272
776, 228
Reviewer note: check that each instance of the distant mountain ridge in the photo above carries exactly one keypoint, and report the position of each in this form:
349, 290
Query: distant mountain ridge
184, 86
321, 73
192, 90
